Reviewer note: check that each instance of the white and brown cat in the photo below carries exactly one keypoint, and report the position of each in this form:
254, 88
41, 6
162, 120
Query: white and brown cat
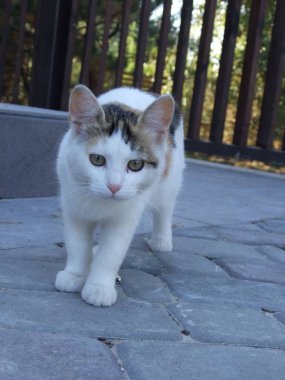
122, 153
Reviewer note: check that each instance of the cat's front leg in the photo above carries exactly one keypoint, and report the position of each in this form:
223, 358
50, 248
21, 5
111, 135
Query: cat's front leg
78, 242
116, 236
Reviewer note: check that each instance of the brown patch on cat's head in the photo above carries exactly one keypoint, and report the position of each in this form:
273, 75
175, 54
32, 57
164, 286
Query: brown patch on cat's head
143, 131
119, 118
142, 142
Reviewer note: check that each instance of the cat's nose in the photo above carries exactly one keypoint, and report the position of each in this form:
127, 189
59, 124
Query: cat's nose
113, 188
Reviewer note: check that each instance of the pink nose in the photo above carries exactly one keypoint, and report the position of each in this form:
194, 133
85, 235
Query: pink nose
114, 188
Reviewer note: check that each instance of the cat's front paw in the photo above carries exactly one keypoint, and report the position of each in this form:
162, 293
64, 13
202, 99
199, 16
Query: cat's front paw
99, 294
69, 282
160, 244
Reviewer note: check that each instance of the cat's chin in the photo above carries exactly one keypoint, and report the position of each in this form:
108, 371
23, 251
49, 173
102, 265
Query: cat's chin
116, 197
121, 198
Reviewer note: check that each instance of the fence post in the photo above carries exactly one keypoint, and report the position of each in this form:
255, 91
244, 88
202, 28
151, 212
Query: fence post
4, 41
201, 70
181, 54
142, 42
126, 10
273, 81
88, 42
20, 48
104, 48
225, 71
162, 46
50, 48
248, 80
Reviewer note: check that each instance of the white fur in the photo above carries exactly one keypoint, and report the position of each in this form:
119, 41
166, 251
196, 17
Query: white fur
87, 202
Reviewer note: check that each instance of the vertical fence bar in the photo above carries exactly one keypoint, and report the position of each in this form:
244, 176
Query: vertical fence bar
51, 47
181, 54
201, 70
162, 46
88, 42
43, 53
69, 53
225, 71
104, 48
273, 81
142, 42
248, 80
20, 48
123, 39
4, 41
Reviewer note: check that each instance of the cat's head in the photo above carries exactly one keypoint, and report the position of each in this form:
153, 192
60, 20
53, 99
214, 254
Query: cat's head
117, 152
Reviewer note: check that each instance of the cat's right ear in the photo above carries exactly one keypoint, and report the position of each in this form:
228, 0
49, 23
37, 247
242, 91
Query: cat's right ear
84, 110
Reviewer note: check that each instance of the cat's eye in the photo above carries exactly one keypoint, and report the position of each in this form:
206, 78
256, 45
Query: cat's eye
97, 159
135, 165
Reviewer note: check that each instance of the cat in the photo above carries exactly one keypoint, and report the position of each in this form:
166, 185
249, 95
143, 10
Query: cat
122, 153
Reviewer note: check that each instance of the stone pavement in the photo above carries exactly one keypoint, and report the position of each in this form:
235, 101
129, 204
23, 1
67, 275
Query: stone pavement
213, 308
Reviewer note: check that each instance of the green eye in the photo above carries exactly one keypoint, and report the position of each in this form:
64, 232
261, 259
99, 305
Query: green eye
97, 159
135, 165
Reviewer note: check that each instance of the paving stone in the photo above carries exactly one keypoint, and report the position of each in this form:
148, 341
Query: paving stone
273, 253
199, 233
145, 224
247, 234
28, 210
184, 262
34, 356
182, 222
229, 291
215, 248
218, 195
30, 222
139, 242
65, 313
27, 235
142, 259
43, 253
36, 267
28, 274
277, 226
240, 325
213, 220
181, 361
280, 317
254, 270
143, 286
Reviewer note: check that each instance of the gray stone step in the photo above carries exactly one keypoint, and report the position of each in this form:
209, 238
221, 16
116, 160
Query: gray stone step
181, 361
34, 356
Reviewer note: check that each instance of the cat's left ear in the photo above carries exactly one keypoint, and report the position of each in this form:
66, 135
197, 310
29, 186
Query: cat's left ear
84, 109
158, 116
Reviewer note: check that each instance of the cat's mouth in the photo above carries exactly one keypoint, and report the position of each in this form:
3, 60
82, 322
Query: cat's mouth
117, 197
113, 197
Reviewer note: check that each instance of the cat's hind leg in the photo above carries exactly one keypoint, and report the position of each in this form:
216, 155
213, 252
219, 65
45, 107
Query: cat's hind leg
161, 239
162, 208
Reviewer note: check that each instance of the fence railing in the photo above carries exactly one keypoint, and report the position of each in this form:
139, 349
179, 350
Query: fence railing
46, 46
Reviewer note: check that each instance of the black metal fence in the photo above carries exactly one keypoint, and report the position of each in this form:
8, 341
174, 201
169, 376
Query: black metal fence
50, 37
